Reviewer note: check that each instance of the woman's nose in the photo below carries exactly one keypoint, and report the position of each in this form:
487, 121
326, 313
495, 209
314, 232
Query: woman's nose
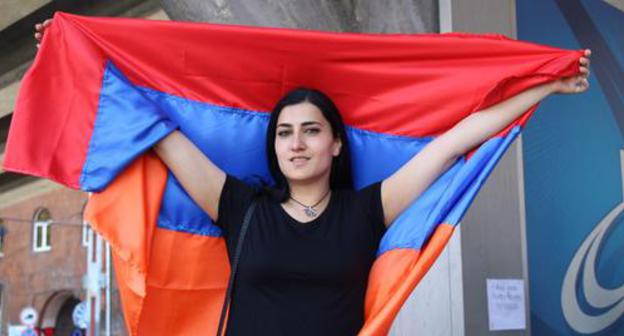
297, 143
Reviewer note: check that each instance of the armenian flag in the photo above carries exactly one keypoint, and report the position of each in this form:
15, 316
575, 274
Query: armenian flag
102, 91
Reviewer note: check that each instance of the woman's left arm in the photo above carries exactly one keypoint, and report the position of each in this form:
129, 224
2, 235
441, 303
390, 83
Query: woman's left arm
414, 177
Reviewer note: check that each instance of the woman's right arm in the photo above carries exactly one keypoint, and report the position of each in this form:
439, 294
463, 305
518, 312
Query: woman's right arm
199, 177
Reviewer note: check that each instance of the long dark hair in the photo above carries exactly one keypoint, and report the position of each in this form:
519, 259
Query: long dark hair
341, 176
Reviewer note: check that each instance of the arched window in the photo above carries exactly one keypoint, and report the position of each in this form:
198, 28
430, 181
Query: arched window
3, 233
41, 230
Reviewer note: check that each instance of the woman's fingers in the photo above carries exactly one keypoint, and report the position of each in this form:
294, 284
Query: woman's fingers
584, 85
579, 82
584, 63
584, 71
40, 29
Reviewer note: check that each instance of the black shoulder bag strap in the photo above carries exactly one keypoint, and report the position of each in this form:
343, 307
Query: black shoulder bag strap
239, 247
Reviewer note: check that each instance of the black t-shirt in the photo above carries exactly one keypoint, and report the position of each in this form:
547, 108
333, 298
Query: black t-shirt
301, 278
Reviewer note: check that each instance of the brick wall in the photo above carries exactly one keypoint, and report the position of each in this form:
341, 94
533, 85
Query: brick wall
31, 278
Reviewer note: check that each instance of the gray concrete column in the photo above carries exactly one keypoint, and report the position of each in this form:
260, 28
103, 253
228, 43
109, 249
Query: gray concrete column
493, 231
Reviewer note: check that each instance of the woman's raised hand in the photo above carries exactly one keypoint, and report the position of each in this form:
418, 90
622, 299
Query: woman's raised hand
40, 29
577, 83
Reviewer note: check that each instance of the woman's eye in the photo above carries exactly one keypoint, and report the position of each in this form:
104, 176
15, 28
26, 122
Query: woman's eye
312, 130
283, 133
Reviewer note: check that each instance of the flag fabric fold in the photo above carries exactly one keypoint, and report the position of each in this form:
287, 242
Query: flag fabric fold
102, 91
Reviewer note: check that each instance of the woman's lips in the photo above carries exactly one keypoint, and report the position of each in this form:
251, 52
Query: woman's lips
299, 160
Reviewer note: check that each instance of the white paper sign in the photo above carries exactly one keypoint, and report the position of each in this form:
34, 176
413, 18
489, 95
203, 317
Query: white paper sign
16, 330
506, 304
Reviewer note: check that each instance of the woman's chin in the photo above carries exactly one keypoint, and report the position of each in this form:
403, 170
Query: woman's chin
302, 176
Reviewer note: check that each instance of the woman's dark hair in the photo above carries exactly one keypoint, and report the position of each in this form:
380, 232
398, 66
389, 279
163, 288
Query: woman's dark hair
340, 176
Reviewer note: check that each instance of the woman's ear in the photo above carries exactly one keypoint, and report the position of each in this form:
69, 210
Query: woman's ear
337, 146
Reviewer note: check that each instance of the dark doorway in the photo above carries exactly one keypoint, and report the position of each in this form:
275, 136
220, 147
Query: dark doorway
64, 323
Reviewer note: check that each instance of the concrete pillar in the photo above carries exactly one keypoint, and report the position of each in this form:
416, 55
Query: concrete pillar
390, 16
493, 231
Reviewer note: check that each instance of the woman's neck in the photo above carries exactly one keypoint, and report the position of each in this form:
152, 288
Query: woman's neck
309, 193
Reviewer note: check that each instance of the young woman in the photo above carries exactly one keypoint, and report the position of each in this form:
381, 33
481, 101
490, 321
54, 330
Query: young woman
312, 240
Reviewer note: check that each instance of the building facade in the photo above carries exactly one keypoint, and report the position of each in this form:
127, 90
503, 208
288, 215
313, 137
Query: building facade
530, 236
43, 261
43, 239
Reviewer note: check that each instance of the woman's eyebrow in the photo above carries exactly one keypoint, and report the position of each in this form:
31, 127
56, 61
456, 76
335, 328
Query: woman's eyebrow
305, 123
309, 123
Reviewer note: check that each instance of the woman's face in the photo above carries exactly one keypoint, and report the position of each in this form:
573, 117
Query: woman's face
304, 143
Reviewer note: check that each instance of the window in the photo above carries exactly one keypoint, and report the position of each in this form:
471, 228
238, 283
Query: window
3, 233
41, 230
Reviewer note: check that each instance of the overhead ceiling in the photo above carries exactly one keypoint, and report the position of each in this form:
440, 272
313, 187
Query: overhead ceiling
13, 10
